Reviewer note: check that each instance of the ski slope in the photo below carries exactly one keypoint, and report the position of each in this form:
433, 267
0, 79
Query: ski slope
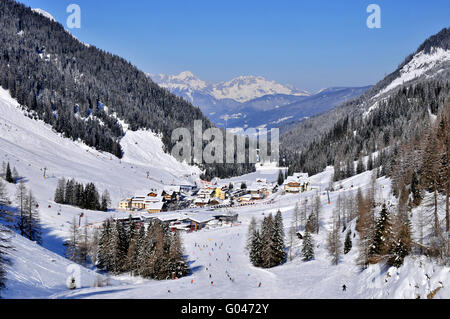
32, 146
41, 272
294, 279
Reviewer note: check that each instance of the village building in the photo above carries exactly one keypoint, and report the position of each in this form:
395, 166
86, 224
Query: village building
298, 182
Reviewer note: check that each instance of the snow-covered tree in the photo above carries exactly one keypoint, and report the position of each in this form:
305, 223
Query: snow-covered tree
60, 191
334, 244
32, 223
307, 247
382, 237
8, 174
348, 242
251, 231
105, 201
72, 244
256, 249
21, 196
278, 239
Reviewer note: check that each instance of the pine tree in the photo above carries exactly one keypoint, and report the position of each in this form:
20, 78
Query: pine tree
269, 258
8, 175
382, 237
307, 247
69, 192
280, 178
401, 246
278, 239
139, 250
256, 249
21, 195
31, 219
176, 263
105, 201
348, 242
60, 191
104, 250
119, 247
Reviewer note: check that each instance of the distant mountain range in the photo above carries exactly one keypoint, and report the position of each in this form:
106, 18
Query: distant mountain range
253, 101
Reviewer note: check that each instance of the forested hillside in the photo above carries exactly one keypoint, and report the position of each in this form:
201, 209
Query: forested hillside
83, 91
377, 121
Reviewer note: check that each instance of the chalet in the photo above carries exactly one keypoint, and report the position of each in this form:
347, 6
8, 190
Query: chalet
296, 183
156, 207
201, 202
125, 204
206, 193
198, 221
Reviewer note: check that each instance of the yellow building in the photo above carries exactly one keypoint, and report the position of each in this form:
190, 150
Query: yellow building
220, 194
125, 204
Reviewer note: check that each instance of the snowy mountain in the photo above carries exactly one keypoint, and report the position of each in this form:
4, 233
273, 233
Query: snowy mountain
44, 13
249, 101
241, 89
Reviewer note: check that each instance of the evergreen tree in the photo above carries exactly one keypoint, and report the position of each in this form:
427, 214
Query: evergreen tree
139, 250
278, 239
280, 180
307, 247
60, 191
176, 263
21, 196
8, 175
119, 247
256, 249
269, 258
31, 219
106, 201
348, 242
104, 251
401, 246
383, 234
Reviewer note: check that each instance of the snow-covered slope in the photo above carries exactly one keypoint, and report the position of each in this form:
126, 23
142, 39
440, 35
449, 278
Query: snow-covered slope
208, 252
44, 13
420, 64
32, 146
35, 272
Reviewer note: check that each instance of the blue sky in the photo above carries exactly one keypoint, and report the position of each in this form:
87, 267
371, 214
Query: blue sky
310, 44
